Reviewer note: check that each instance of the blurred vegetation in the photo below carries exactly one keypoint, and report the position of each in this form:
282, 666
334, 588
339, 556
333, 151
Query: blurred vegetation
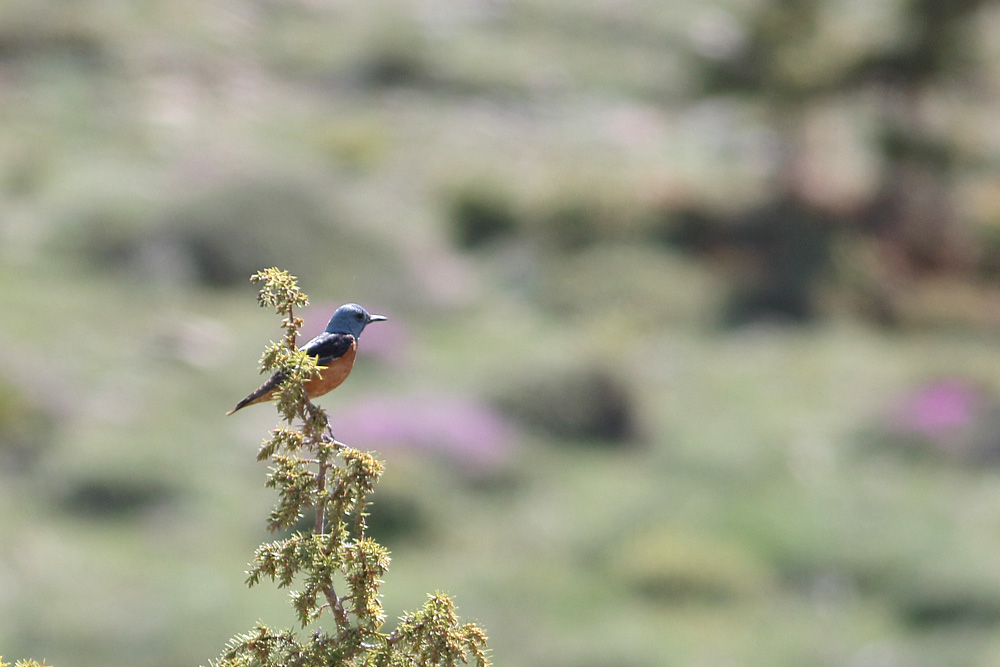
745, 253
579, 405
27, 429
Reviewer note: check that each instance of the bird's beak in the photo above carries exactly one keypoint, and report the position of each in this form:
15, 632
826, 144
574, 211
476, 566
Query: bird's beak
377, 318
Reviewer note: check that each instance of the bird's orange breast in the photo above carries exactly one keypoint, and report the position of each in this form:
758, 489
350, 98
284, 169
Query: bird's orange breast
333, 375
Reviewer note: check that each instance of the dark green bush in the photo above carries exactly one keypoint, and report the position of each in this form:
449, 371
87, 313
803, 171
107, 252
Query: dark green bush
397, 58
224, 234
34, 38
933, 605
479, 217
114, 497
572, 225
586, 403
107, 234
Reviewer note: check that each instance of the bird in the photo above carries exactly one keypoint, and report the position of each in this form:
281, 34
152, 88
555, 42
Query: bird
334, 349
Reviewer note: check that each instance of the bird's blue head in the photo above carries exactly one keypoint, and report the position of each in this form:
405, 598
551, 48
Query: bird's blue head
351, 319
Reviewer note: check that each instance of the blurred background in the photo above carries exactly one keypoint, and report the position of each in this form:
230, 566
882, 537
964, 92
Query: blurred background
693, 354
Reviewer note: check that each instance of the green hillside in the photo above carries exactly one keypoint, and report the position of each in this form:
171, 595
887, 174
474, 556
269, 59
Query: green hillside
692, 355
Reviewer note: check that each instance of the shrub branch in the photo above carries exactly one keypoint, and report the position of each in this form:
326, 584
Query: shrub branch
312, 471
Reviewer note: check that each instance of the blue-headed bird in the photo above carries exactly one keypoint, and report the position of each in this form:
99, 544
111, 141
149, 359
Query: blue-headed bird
334, 349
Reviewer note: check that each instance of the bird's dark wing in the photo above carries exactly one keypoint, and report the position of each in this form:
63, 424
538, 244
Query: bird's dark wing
329, 346
326, 347
262, 393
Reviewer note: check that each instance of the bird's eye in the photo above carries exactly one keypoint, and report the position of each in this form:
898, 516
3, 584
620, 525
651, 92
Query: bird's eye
359, 316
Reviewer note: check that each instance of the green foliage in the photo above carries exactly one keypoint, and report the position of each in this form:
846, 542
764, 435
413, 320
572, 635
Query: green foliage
434, 637
312, 471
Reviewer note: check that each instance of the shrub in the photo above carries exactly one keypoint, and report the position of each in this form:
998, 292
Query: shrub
314, 473
479, 217
586, 403
223, 234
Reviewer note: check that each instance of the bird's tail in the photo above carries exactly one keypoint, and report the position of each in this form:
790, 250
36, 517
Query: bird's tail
261, 394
